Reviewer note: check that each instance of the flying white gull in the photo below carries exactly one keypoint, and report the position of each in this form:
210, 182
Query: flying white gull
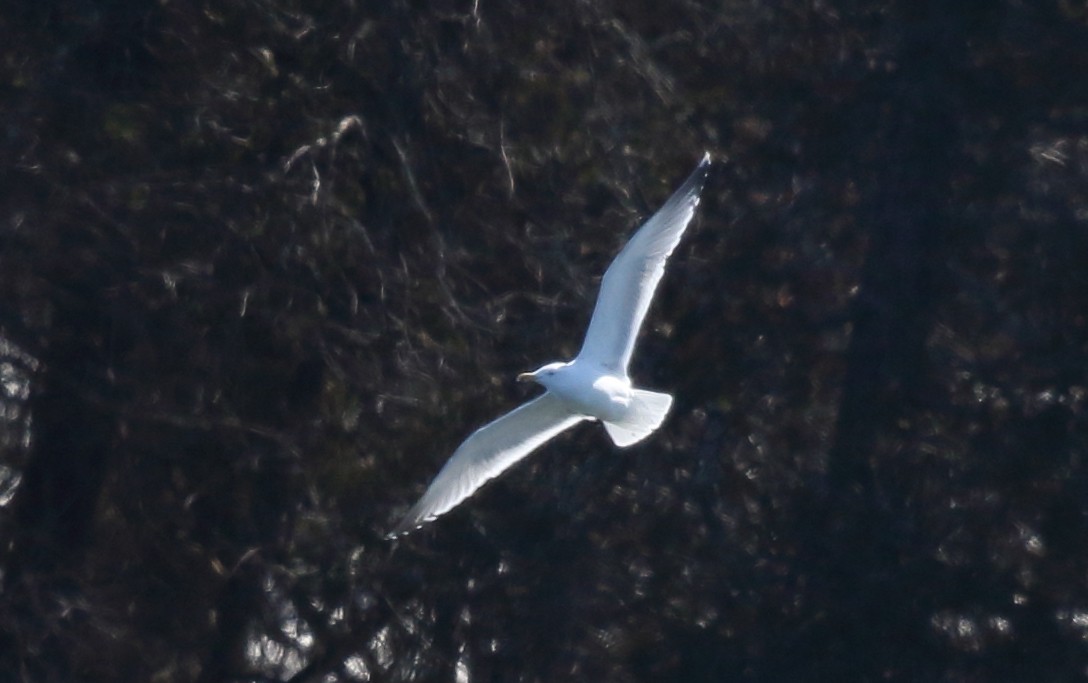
593, 386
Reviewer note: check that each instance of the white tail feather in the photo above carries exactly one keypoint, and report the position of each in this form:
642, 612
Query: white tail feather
645, 414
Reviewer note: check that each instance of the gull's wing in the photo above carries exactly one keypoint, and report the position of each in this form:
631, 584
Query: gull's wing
486, 453
628, 284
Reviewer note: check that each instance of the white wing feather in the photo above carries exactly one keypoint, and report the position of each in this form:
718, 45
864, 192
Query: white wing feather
629, 283
486, 453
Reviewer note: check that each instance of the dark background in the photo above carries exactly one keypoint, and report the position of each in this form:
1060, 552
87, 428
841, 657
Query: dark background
264, 264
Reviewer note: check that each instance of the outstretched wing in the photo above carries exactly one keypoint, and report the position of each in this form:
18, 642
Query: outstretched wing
629, 283
486, 453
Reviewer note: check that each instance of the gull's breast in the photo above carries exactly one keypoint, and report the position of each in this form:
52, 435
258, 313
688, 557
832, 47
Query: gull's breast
606, 397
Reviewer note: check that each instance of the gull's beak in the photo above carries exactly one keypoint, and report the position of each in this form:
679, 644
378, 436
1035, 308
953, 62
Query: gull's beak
526, 377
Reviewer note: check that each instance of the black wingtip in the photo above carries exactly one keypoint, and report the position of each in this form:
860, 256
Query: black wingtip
411, 522
403, 528
693, 186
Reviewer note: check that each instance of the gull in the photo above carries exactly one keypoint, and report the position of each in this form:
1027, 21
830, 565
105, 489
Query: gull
593, 386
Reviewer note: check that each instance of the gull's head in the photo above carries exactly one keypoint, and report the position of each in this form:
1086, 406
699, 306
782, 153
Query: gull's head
544, 374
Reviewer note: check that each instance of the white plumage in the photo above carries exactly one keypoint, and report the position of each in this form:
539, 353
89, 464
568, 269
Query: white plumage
593, 386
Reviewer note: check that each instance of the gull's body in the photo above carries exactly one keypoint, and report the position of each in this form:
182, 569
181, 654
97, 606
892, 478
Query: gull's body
593, 386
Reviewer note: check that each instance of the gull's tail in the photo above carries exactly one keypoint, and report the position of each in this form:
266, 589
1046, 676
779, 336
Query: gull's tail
647, 411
